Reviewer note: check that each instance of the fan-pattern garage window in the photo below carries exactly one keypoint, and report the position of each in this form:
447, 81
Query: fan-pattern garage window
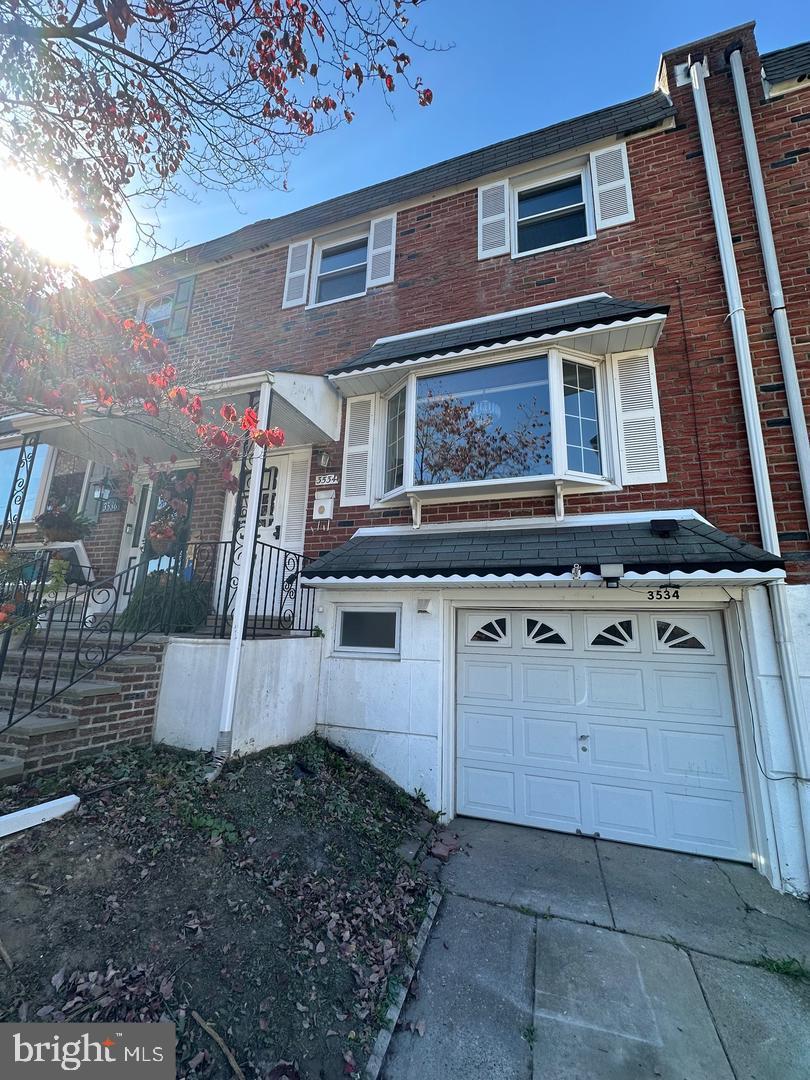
618, 634
540, 633
492, 631
675, 637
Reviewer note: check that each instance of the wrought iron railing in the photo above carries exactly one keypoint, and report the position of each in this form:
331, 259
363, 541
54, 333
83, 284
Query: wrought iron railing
61, 633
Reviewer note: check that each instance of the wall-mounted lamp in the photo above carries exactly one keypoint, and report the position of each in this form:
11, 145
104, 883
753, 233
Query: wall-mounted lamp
612, 573
324, 459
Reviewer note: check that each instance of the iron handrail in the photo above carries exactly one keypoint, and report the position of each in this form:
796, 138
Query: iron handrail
68, 633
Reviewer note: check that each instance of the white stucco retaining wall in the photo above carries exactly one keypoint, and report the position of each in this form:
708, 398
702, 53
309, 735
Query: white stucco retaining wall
387, 711
275, 704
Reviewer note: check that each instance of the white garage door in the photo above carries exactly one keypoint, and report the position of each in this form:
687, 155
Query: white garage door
618, 725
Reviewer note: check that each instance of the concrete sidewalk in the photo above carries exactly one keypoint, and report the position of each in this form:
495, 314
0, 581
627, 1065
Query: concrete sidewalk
558, 957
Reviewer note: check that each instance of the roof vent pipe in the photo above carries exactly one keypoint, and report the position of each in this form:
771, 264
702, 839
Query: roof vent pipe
798, 420
739, 328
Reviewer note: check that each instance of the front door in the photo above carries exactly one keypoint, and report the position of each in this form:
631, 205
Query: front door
274, 588
139, 514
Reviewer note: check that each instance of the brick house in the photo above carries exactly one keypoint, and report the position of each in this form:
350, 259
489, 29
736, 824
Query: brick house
546, 479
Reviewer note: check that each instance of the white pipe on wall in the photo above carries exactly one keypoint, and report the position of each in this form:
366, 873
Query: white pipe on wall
788, 668
784, 341
739, 328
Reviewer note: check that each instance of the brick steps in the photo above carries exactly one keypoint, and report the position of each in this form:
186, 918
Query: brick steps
11, 769
114, 704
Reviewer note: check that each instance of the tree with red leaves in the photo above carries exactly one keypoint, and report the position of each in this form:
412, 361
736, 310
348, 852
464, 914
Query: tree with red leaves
115, 102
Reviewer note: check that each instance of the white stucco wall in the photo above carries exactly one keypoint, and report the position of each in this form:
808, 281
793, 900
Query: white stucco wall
387, 711
799, 605
275, 704
770, 742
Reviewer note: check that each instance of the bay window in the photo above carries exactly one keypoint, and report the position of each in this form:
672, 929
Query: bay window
494, 425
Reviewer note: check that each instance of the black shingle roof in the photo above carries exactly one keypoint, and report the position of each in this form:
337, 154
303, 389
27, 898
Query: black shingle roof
575, 316
782, 65
623, 119
693, 546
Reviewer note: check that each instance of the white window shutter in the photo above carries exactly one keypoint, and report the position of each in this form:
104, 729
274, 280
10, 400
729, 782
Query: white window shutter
356, 481
493, 219
613, 198
381, 244
295, 285
295, 512
641, 445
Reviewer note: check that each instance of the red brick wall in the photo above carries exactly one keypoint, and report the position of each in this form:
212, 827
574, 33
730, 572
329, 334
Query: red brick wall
669, 253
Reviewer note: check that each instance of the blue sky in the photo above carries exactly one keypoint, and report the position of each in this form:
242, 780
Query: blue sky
516, 66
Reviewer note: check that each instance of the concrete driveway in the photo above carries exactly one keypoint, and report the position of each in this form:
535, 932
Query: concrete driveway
558, 957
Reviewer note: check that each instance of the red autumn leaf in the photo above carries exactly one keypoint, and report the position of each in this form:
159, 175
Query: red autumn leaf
151, 407
250, 420
228, 413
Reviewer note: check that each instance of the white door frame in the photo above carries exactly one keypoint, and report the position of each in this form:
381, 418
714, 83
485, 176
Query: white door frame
759, 816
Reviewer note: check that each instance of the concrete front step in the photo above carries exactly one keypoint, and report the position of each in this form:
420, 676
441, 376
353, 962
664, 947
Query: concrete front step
78, 692
36, 724
11, 769
47, 664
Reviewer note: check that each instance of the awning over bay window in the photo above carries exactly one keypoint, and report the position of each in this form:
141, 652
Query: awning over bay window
597, 324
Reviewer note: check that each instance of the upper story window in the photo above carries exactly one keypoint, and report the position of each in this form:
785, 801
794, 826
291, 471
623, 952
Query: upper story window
340, 266
548, 209
551, 214
167, 312
341, 271
492, 429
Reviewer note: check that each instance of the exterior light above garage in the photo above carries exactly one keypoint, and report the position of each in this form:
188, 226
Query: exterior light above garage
611, 574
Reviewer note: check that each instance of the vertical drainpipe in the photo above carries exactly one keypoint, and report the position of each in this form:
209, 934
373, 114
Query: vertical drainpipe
793, 393
788, 668
242, 595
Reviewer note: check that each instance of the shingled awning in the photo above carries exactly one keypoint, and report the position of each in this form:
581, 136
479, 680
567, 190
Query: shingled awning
596, 324
685, 549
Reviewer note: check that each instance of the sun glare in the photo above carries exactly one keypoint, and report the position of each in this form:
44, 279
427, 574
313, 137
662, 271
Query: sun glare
37, 213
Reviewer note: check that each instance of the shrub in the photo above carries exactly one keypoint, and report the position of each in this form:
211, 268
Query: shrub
147, 607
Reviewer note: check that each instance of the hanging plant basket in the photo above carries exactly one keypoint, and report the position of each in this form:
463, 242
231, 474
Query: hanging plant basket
162, 546
62, 525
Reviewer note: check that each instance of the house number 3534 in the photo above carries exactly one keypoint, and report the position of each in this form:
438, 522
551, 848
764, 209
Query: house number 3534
664, 594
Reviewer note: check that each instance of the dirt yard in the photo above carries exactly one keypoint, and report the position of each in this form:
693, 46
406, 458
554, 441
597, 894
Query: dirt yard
273, 904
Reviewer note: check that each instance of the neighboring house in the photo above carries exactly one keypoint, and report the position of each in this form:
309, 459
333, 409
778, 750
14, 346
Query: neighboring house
549, 463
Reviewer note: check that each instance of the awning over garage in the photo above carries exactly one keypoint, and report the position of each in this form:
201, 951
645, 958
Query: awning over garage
685, 549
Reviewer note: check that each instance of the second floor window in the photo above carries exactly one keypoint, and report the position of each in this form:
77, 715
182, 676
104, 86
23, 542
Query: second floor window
341, 271
552, 214
167, 312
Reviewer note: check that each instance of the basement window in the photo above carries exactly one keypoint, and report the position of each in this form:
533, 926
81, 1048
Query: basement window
371, 631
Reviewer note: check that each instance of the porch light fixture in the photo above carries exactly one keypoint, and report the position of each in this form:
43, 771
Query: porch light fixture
611, 573
324, 459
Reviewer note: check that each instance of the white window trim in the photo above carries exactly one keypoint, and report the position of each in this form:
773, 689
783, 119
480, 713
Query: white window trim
368, 652
319, 247
468, 488
44, 489
530, 183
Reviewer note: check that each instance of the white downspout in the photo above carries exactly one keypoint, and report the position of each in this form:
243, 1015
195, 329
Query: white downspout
241, 597
739, 329
784, 341
756, 445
